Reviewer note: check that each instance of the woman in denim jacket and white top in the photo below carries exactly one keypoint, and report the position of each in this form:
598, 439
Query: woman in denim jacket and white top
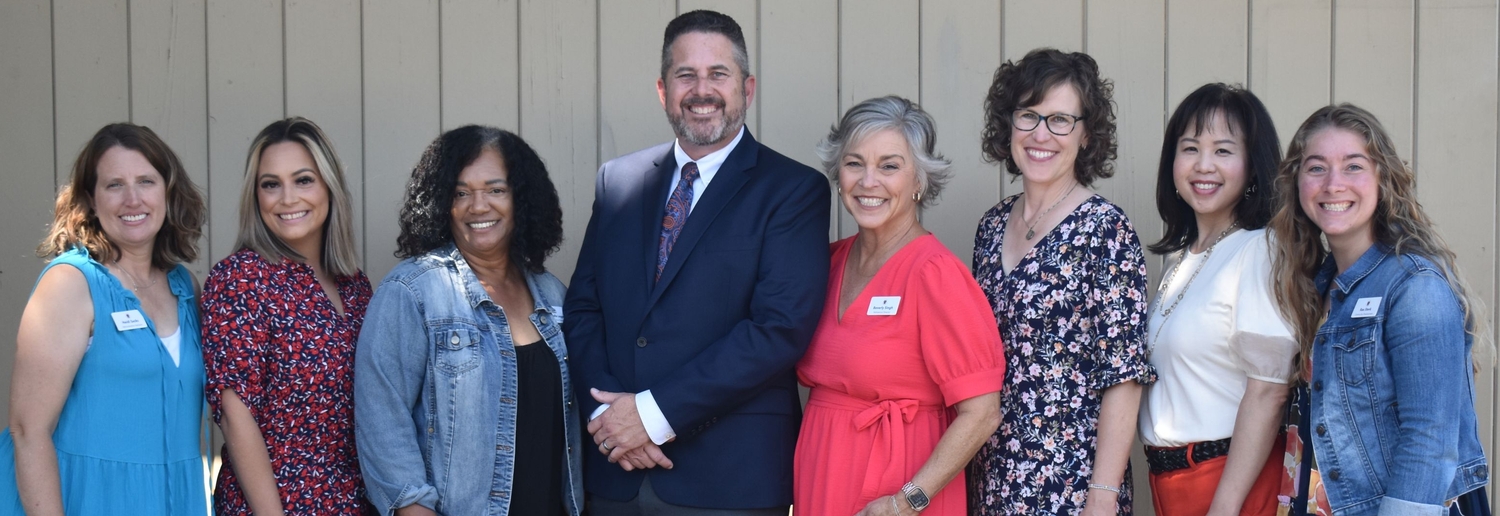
463, 404
1392, 380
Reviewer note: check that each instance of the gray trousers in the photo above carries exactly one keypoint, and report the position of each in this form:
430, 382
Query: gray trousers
647, 504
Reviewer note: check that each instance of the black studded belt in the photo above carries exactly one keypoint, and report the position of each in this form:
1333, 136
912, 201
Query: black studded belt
1163, 460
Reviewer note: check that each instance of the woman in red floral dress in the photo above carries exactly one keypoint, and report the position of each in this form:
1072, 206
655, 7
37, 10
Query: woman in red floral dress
280, 320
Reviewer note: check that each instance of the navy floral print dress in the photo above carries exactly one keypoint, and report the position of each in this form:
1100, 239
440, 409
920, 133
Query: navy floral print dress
1073, 317
271, 334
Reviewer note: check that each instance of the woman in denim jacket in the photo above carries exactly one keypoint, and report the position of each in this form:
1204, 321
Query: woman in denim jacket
462, 401
1386, 319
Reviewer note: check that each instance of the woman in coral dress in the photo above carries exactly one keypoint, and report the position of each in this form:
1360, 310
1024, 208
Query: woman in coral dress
906, 365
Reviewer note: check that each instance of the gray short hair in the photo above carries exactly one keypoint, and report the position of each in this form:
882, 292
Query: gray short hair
902, 115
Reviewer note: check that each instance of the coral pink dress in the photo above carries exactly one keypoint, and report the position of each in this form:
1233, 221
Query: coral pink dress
917, 340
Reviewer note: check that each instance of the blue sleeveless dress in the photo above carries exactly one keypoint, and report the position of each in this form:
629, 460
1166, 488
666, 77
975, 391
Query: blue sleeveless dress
128, 437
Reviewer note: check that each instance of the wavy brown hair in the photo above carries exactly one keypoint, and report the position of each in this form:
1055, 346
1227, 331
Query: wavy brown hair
74, 223
1398, 223
1025, 83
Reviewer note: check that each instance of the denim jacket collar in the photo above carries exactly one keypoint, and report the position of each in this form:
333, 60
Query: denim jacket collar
475, 292
1362, 267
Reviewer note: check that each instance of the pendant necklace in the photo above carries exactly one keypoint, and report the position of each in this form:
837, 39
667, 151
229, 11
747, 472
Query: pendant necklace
1031, 230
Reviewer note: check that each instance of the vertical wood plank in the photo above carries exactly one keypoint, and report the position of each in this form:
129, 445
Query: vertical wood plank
1456, 112
630, 114
91, 71
26, 139
878, 42
481, 57
1033, 24
1206, 42
1374, 45
169, 86
798, 86
747, 14
401, 113
1291, 59
1128, 40
323, 84
244, 94
960, 44
560, 107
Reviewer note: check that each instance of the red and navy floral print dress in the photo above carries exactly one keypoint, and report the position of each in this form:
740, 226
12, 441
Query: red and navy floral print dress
272, 335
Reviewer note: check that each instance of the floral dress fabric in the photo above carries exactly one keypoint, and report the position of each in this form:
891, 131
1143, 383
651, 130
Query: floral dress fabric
1072, 316
271, 334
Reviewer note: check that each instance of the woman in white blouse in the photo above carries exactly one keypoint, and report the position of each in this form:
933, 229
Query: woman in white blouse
1220, 347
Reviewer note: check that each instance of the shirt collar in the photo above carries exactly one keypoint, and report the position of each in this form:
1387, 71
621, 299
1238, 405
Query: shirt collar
707, 165
473, 290
1362, 267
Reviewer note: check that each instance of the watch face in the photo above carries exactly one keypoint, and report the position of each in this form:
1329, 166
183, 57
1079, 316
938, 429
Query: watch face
917, 499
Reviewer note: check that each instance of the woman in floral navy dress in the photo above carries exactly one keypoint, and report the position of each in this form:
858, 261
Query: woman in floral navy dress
1064, 271
280, 319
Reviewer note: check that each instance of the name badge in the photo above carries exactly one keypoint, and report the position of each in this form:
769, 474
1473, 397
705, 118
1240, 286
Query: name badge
129, 320
884, 305
1365, 307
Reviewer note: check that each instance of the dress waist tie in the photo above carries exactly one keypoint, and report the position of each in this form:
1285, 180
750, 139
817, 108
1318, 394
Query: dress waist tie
889, 420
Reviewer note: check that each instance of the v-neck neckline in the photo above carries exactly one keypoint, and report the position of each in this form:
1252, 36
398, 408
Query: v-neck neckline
1030, 252
842, 314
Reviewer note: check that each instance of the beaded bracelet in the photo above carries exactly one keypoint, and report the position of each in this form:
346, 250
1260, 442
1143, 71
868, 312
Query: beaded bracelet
1114, 490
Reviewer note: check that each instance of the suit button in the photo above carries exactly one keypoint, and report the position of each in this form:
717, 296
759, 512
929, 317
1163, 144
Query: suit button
1322, 430
1318, 385
641, 342
1333, 475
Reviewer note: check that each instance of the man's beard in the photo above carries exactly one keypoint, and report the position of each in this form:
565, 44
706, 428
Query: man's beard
715, 133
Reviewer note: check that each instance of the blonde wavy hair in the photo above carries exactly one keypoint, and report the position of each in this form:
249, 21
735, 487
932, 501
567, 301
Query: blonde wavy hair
1399, 223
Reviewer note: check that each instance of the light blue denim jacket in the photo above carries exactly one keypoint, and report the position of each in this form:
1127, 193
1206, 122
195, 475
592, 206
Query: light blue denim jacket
1394, 430
435, 390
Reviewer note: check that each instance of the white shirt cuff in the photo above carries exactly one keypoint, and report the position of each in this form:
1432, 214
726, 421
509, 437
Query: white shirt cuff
598, 411
651, 417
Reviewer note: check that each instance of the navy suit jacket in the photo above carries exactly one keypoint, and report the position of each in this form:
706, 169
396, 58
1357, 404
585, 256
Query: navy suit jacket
717, 338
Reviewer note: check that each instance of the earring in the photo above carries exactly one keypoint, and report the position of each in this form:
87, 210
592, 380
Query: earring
917, 196
1250, 191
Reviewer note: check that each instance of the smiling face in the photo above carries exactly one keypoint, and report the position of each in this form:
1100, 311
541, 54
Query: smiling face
482, 205
878, 176
1338, 187
130, 198
1209, 169
293, 197
1044, 157
703, 95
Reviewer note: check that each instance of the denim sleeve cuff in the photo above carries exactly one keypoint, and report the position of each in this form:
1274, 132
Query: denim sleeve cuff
1398, 507
424, 495
651, 417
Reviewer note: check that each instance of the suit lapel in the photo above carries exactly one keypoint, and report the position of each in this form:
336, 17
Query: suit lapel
654, 208
731, 176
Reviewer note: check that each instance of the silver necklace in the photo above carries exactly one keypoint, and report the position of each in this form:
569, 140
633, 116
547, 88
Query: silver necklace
1166, 311
1031, 230
136, 285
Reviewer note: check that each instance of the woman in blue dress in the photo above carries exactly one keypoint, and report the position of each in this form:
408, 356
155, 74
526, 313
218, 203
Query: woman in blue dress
107, 409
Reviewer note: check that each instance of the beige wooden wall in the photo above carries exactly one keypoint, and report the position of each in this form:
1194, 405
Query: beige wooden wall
576, 79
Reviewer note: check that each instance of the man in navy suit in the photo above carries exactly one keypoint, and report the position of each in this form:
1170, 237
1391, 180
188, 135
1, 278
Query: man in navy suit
698, 287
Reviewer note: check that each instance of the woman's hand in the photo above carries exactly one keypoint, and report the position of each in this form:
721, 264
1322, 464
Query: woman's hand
885, 506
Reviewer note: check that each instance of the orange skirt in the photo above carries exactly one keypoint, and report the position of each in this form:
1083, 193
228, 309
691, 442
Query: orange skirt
1190, 491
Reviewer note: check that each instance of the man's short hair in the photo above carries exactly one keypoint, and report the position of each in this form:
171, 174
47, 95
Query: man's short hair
709, 22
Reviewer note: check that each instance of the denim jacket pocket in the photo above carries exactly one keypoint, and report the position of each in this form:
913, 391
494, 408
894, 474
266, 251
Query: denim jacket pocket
457, 349
1354, 353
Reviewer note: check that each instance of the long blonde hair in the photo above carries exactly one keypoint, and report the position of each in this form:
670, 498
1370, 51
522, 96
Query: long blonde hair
1399, 223
340, 255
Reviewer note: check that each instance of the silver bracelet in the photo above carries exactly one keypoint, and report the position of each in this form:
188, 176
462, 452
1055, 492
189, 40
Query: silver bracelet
1114, 490
897, 508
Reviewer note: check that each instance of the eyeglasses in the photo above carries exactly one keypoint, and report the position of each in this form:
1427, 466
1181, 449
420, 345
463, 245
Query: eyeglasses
1060, 124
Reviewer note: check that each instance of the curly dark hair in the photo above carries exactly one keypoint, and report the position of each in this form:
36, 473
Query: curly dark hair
1247, 118
1025, 83
426, 211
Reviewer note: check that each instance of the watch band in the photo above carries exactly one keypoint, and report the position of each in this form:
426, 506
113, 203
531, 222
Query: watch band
915, 497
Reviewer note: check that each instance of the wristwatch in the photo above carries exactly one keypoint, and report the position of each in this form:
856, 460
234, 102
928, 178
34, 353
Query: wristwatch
915, 497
